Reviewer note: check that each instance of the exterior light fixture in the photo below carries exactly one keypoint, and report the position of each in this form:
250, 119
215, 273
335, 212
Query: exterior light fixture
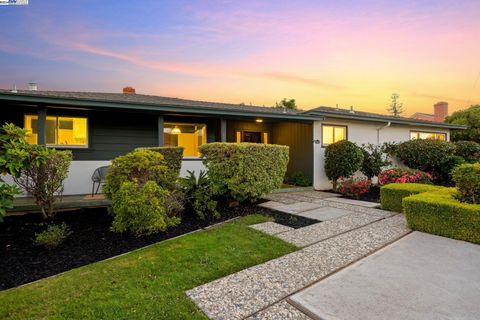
259, 120
176, 130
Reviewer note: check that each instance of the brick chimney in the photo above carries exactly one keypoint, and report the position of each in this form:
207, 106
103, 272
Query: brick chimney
440, 111
128, 90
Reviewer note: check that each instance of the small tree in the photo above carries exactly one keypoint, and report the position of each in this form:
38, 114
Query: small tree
287, 104
15, 156
45, 181
469, 117
374, 159
396, 107
342, 159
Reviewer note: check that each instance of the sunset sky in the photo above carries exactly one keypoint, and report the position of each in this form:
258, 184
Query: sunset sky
318, 52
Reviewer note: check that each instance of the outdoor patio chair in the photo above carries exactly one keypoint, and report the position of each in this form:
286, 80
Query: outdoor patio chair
99, 176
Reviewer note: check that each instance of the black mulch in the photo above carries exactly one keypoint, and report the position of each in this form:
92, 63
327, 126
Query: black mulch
21, 261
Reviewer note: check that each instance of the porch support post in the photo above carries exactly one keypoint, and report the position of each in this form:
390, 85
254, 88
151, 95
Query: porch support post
223, 130
160, 131
41, 131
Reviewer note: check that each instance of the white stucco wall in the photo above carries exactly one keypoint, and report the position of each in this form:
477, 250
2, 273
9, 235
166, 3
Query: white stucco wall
79, 180
360, 133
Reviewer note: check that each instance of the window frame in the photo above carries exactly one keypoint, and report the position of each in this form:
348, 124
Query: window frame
186, 124
63, 146
334, 125
428, 132
262, 135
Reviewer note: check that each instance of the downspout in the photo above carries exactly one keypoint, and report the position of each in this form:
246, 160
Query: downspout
381, 128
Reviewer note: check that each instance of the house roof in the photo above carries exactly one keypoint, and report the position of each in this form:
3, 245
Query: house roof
166, 104
375, 117
422, 114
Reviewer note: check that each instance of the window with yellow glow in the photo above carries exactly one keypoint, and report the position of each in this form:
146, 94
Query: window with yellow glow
188, 136
251, 136
427, 135
332, 134
69, 132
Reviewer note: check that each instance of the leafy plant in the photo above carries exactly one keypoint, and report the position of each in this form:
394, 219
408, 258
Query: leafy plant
287, 104
468, 150
16, 155
403, 175
45, 181
342, 159
353, 187
141, 165
299, 178
467, 180
173, 157
199, 194
53, 236
374, 159
140, 209
433, 156
469, 117
244, 171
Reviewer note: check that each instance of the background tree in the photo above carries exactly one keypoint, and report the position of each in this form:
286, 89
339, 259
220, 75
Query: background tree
396, 107
287, 104
469, 117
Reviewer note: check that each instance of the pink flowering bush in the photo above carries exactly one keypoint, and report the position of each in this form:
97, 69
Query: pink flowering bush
403, 175
353, 187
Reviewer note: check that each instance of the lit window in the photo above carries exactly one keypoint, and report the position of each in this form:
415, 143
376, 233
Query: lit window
59, 131
188, 136
252, 137
427, 135
332, 134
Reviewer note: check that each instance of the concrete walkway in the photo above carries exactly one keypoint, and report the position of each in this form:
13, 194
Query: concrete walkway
351, 266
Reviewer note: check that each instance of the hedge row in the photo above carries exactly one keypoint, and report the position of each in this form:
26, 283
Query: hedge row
391, 195
438, 212
244, 171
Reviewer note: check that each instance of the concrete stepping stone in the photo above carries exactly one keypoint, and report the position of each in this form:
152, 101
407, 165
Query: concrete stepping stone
298, 207
324, 213
279, 197
320, 231
421, 276
244, 293
280, 311
271, 228
354, 202
271, 205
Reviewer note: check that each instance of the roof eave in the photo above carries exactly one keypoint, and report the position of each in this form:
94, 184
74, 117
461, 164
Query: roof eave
380, 119
35, 99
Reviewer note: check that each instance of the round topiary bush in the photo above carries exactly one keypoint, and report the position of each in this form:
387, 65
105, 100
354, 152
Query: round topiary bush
342, 159
433, 156
468, 150
467, 180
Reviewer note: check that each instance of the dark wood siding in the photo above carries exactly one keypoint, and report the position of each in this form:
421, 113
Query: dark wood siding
299, 137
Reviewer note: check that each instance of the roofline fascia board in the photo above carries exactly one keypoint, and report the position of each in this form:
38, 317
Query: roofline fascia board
373, 119
151, 107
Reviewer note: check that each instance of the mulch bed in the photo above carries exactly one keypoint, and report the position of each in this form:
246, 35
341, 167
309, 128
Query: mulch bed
21, 261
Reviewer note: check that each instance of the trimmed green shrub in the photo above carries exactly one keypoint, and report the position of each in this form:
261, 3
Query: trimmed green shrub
432, 156
342, 159
467, 180
198, 191
141, 165
244, 171
173, 158
374, 159
468, 150
53, 236
391, 195
140, 209
439, 213
299, 178
403, 175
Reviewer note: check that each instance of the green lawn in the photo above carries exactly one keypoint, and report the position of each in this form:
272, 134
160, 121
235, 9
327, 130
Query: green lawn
148, 283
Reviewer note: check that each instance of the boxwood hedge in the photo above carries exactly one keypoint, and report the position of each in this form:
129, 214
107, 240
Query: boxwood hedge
391, 195
245, 171
438, 212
